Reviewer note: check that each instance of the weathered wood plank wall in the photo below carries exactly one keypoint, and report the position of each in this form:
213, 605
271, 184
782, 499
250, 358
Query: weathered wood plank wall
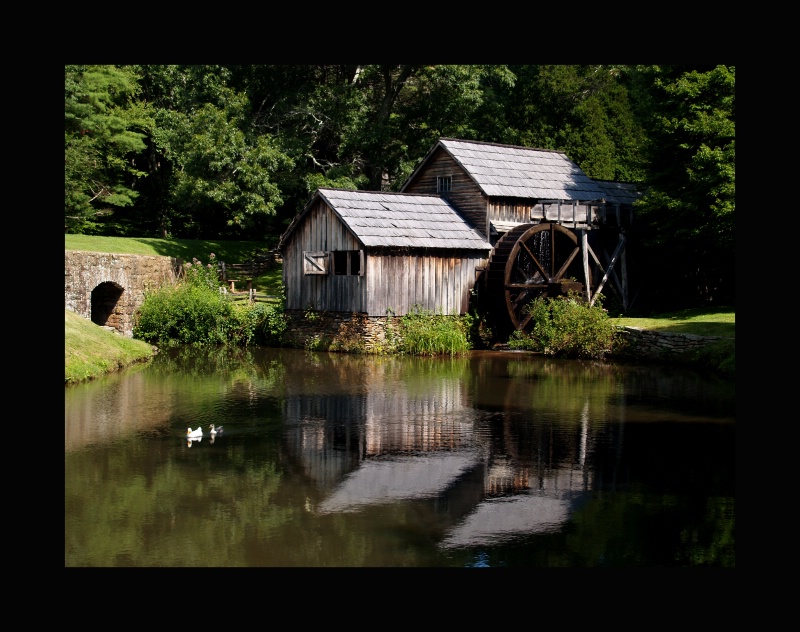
465, 195
433, 282
321, 230
512, 211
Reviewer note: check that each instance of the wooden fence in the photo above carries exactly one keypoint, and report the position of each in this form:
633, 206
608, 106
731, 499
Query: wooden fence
250, 295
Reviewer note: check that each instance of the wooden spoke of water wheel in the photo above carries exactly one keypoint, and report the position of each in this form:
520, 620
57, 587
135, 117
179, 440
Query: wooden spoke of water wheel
535, 259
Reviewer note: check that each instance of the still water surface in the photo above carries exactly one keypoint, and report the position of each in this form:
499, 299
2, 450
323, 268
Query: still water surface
496, 459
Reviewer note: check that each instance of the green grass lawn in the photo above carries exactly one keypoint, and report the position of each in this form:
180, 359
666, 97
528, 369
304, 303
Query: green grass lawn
91, 351
716, 321
186, 249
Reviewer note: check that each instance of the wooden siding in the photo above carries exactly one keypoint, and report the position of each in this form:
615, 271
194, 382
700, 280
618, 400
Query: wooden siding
466, 196
321, 229
439, 282
505, 210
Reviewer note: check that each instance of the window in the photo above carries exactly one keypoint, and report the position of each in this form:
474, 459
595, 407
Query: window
338, 262
347, 262
444, 184
315, 262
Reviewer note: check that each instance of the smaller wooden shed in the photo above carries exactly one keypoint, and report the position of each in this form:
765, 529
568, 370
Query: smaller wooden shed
379, 253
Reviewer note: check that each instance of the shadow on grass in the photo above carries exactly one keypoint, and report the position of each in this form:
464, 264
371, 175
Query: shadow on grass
724, 330
187, 249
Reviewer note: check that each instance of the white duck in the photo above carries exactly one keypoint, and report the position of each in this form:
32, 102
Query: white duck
214, 430
194, 434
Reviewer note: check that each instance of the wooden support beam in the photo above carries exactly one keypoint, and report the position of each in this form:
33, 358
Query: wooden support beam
609, 271
587, 279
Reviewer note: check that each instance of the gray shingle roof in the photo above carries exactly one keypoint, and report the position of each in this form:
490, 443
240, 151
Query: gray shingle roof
509, 171
381, 219
619, 192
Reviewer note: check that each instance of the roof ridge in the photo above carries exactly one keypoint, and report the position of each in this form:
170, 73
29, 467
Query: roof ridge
494, 144
398, 193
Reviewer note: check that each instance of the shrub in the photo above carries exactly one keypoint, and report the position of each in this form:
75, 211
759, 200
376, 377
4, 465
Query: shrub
422, 332
567, 326
195, 312
272, 323
191, 312
184, 314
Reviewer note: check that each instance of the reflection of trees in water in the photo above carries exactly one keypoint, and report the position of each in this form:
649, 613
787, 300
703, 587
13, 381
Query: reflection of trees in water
543, 418
131, 403
145, 495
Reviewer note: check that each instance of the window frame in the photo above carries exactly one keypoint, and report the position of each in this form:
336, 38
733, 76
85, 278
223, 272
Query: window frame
332, 262
351, 259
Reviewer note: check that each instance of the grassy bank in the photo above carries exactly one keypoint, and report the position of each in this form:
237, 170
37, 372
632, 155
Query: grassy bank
719, 321
719, 356
91, 351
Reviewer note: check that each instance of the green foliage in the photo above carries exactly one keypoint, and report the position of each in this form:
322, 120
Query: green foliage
719, 356
184, 314
271, 323
223, 173
687, 217
202, 276
196, 312
422, 332
567, 326
103, 127
582, 110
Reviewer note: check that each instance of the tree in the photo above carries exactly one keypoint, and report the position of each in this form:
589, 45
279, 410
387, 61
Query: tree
217, 168
582, 110
104, 125
686, 220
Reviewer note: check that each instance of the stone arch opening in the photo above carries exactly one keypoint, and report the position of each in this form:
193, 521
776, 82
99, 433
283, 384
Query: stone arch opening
105, 298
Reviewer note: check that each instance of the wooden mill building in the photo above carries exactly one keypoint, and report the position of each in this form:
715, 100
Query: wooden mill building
498, 187
508, 222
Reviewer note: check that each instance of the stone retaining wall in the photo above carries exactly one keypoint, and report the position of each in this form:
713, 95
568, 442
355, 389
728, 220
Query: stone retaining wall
659, 345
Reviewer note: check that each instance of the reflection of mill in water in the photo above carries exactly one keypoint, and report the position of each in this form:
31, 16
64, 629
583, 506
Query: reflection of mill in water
437, 446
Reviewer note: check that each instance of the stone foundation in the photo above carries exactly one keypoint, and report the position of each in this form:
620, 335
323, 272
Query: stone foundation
336, 331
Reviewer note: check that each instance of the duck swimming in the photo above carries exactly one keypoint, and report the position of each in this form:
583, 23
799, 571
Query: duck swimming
215, 431
194, 434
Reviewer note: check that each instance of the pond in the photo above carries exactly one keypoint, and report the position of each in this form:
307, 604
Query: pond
494, 459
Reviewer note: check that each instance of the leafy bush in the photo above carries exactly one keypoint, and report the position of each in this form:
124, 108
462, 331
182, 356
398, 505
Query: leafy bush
567, 326
184, 314
422, 332
195, 312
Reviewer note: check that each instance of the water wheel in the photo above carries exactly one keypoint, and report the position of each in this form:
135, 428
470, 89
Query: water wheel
530, 261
